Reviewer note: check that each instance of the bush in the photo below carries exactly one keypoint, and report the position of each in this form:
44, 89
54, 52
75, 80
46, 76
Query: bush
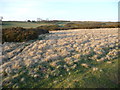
19, 34
33, 21
75, 25
91, 25
28, 21
49, 27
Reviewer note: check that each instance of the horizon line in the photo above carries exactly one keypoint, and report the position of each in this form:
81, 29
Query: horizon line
62, 20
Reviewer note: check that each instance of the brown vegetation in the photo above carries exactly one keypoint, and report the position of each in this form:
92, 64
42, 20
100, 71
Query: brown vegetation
19, 34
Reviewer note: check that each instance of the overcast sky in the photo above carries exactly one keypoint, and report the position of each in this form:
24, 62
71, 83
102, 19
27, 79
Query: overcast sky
77, 10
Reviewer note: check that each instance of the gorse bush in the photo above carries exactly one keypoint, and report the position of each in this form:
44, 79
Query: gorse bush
19, 34
79, 26
89, 25
49, 27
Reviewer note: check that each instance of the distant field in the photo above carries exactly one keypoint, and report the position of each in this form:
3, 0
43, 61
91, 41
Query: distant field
8, 24
65, 24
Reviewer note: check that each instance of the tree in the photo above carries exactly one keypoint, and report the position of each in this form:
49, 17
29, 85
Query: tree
28, 21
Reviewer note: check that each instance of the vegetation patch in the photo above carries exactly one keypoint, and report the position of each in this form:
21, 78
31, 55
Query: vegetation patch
19, 34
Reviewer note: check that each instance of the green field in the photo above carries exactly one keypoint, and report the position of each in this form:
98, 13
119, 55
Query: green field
105, 77
8, 24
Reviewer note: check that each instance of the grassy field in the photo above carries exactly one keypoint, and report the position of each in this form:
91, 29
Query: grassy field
105, 77
8, 24
63, 59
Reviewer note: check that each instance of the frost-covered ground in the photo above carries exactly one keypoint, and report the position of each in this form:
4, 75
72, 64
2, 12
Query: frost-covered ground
59, 51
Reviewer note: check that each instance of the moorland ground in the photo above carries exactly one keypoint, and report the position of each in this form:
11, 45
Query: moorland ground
80, 58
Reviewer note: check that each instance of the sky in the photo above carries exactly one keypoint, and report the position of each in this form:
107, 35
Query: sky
73, 10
